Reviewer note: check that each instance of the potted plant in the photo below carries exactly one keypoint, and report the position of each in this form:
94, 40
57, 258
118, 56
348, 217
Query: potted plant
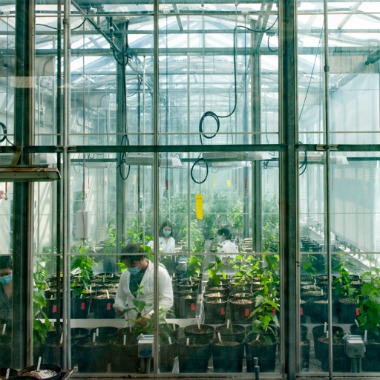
262, 338
82, 274
369, 318
346, 294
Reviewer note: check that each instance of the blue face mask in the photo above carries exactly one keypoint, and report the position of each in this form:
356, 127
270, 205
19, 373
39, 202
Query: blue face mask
219, 238
134, 270
166, 233
6, 280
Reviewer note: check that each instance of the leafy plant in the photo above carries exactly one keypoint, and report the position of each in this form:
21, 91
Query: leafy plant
267, 302
82, 266
41, 322
343, 282
247, 267
141, 323
369, 318
194, 265
216, 272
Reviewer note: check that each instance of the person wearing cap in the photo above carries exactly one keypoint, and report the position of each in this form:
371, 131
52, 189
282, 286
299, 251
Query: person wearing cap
137, 283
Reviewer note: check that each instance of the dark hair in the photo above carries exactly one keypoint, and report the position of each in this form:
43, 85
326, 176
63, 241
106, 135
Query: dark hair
6, 262
226, 232
132, 248
166, 223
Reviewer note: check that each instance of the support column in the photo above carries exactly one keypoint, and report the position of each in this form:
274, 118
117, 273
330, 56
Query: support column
289, 247
23, 191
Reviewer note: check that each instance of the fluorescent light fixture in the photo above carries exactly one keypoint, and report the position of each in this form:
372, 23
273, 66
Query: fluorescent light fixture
21, 173
235, 156
148, 160
318, 158
235, 165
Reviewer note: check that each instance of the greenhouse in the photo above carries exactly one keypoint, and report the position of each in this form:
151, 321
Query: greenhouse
189, 189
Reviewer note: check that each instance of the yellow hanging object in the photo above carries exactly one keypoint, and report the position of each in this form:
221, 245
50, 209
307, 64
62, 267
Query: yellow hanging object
199, 206
228, 183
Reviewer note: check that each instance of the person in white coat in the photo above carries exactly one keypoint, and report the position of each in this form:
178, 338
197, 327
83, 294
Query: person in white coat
225, 245
166, 239
137, 283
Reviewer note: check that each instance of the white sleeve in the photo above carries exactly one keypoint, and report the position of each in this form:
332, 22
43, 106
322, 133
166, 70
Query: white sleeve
165, 291
121, 296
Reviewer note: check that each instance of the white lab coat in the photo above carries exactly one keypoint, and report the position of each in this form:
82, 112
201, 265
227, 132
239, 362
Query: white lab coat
124, 298
227, 246
166, 245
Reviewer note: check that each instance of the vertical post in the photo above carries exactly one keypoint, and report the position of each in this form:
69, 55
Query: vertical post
65, 186
289, 247
22, 201
121, 126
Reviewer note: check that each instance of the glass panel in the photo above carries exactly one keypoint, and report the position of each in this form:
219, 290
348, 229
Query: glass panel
200, 277
208, 87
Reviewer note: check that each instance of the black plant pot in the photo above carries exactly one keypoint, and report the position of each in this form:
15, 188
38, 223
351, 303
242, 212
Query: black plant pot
317, 310
93, 356
193, 354
371, 360
103, 308
12, 373
241, 309
187, 306
104, 334
205, 331
233, 332
78, 335
348, 310
215, 310
227, 355
341, 363
124, 356
319, 331
265, 352
80, 307
167, 354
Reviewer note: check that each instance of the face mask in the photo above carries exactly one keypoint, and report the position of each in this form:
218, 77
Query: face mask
6, 279
166, 233
134, 270
219, 238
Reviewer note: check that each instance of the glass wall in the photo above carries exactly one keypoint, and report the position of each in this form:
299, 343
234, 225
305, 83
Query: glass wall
169, 189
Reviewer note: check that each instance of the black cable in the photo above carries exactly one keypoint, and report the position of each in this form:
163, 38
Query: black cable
303, 165
269, 48
5, 134
213, 114
197, 162
4, 128
122, 159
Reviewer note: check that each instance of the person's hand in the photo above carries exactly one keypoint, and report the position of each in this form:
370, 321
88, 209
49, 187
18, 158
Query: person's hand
142, 321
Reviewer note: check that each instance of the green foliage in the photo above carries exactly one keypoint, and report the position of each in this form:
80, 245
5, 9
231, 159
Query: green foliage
264, 318
141, 323
342, 283
271, 225
216, 272
267, 301
369, 318
247, 267
41, 323
83, 264
194, 265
